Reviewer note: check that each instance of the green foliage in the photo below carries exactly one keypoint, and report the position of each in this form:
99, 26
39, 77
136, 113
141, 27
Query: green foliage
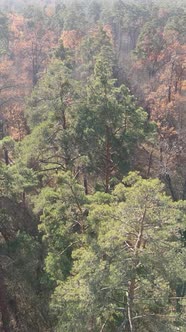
118, 269
106, 252
109, 122
74, 17
51, 116
49, 98
4, 34
87, 128
20, 260
177, 24
62, 219
90, 47
150, 41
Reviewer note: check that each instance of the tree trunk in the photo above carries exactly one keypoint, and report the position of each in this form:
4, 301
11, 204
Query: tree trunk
150, 164
132, 282
170, 187
6, 158
4, 310
85, 182
108, 159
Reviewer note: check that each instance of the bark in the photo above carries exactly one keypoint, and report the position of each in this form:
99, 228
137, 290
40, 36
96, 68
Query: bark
6, 158
24, 198
64, 120
170, 84
169, 94
34, 64
108, 159
132, 283
184, 191
150, 164
4, 309
170, 187
85, 182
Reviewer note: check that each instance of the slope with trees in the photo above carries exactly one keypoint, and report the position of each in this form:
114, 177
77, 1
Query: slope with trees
92, 166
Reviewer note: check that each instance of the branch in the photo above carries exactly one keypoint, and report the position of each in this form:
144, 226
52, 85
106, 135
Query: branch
102, 328
69, 246
49, 169
140, 235
129, 311
53, 163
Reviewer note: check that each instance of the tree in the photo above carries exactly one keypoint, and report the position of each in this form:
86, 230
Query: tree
50, 114
109, 122
160, 68
20, 259
74, 17
91, 46
125, 272
62, 218
94, 11
40, 40
4, 34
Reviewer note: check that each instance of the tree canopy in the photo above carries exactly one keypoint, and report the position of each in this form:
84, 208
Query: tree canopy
92, 166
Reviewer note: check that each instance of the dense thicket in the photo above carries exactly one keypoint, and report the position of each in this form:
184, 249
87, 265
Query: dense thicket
92, 166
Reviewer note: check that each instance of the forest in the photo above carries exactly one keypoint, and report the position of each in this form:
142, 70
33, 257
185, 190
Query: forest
92, 166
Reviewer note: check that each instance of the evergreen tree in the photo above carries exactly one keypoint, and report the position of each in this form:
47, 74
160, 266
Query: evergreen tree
109, 122
122, 275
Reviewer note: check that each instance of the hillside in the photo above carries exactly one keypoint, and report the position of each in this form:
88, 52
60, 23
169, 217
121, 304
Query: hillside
92, 166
